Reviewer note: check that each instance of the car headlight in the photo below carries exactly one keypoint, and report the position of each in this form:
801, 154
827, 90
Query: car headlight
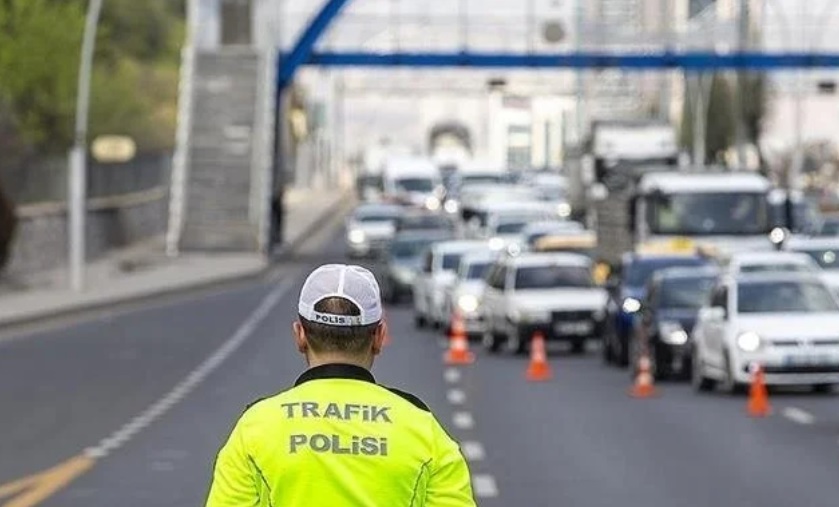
432, 203
631, 305
404, 275
357, 236
496, 243
672, 333
563, 210
451, 206
748, 341
467, 303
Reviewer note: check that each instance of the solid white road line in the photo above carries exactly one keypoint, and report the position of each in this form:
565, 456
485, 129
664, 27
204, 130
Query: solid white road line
799, 416
452, 375
484, 486
195, 377
456, 396
463, 420
472, 451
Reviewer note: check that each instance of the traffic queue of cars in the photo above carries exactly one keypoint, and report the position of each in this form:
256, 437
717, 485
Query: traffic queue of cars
501, 254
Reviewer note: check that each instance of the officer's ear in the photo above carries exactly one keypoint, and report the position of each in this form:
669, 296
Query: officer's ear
300, 337
380, 337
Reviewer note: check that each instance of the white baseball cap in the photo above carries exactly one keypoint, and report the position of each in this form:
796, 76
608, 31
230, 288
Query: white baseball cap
353, 283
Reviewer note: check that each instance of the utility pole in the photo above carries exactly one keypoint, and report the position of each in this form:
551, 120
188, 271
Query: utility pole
77, 195
743, 25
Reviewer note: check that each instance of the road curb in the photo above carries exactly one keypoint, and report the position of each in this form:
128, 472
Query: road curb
204, 284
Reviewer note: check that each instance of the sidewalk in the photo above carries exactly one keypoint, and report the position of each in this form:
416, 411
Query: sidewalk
144, 270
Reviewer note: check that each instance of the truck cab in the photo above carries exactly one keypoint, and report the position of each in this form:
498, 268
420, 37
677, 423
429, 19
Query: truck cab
729, 211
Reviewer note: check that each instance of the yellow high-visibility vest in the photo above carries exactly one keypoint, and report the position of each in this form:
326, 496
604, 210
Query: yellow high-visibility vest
337, 438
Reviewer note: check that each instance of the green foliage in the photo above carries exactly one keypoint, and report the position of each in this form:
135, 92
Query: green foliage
134, 86
720, 128
39, 57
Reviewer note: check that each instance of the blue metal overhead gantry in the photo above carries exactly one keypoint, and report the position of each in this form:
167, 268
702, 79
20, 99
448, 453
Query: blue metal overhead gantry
303, 53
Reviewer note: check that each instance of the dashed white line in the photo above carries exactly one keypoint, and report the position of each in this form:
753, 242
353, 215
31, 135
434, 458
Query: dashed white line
463, 420
472, 451
452, 375
484, 486
191, 381
456, 396
799, 416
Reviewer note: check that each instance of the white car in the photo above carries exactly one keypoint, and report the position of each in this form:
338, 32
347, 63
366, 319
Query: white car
551, 293
465, 294
788, 323
502, 223
824, 251
761, 262
370, 227
437, 273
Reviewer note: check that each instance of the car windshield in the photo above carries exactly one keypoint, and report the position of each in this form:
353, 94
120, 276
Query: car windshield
377, 216
477, 270
450, 261
415, 184
685, 293
726, 213
805, 217
510, 227
830, 228
424, 222
827, 258
407, 248
638, 273
781, 267
784, 297
551, 277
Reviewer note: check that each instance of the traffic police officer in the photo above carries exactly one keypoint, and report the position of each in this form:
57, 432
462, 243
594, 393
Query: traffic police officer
337, 438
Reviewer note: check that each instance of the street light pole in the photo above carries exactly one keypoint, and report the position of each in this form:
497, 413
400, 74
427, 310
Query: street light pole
77, 195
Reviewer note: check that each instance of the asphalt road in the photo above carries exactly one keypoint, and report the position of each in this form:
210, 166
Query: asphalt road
114, 384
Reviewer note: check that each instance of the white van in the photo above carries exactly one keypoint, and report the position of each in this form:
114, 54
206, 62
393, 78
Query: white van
413, 182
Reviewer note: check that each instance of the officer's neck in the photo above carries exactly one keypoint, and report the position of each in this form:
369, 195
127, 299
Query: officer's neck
315, 360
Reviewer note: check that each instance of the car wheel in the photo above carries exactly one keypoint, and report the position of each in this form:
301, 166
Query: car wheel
515, 344
578, 346
606, 349
490, 341
659, 369
419, 321
823, 388
729, 385
700, 382
622, 354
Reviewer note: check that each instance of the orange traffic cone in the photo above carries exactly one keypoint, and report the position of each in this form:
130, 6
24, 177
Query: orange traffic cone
458, 352
538, 370
758, 405
643, 387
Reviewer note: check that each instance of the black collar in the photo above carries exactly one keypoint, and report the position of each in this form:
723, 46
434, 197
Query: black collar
336, 370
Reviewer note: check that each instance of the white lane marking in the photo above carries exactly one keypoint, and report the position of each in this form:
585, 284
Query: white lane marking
799, 416
463, 420
452, 375
472, 451
195, 377
484, 486
456, 396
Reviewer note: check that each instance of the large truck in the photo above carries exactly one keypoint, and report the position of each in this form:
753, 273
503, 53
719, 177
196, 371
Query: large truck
725, 211
614, 154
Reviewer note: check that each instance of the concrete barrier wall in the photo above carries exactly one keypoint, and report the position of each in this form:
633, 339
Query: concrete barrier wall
113, 222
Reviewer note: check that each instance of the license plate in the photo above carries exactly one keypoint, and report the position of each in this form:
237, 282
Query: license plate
573, 328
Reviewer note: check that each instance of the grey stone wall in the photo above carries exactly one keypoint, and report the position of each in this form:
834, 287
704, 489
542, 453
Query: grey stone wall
41, 240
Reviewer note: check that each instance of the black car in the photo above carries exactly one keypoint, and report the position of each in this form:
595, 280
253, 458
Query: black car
668, 314
627, 289
401, 261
